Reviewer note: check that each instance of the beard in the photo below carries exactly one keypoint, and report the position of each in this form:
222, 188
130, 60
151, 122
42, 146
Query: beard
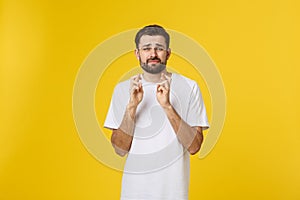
153, 68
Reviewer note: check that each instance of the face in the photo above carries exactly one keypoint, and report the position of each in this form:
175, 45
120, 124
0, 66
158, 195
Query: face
153, 53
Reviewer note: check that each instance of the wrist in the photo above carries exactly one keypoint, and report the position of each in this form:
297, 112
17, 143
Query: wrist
131, 109
127, 124
167, 107
132, 104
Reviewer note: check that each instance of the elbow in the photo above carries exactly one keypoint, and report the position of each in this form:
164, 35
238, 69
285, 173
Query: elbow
194, 150
120, 152
196, 145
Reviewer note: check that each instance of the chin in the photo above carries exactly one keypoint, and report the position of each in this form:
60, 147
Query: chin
154, 69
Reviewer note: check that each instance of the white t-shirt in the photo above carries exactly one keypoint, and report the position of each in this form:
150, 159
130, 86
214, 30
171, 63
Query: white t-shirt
157, 166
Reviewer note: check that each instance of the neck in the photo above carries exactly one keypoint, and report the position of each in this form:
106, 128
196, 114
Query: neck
154, 78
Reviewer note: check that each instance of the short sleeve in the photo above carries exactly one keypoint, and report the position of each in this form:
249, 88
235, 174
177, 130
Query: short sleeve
117, 107
196, 115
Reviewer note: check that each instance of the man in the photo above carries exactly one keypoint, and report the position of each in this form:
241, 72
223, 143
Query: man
157, 119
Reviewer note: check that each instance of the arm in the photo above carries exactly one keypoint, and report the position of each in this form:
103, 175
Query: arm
121, 138
190, 137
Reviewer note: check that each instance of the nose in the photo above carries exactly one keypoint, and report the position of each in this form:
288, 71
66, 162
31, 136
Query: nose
153, 52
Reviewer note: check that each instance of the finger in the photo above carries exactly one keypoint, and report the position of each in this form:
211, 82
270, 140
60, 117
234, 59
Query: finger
164, 84
134, 89
132, 80
137, 77
141, 89
134, 77
161, 88
136, 80
139, 81
162, 77
165, 80
168, 78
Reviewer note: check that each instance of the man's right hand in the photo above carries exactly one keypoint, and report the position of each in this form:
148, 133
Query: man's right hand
122, 137
136, 90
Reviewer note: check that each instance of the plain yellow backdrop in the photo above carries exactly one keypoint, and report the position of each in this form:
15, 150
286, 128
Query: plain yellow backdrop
255, 45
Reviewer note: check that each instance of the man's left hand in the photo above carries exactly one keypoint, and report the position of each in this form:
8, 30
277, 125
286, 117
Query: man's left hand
163, 91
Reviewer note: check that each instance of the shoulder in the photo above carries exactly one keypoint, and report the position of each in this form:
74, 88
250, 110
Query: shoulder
122, 89
124, 85
182, 81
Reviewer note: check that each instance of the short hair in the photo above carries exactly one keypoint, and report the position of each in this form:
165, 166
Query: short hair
152, 30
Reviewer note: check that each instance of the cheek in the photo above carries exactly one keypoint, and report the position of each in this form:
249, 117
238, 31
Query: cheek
143, 59
163, 56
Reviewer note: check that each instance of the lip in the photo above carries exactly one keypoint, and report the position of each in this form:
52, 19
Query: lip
153, 61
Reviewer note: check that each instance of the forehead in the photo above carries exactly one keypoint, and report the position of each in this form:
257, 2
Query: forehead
153, 40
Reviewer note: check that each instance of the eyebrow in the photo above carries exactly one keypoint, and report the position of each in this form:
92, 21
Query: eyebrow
149, 44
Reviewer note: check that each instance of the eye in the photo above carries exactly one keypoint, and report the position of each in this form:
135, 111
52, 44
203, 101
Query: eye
146, 49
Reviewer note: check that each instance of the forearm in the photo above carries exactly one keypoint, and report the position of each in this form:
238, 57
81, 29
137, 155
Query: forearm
121, 142
122, 137
190, 137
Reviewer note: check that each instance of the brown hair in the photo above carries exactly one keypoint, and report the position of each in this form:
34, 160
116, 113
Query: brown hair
152, 30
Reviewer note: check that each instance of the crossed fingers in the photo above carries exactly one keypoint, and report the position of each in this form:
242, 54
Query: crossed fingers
135, 84
164, 85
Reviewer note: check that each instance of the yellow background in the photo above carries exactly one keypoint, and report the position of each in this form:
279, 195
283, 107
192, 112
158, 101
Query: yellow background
255, 45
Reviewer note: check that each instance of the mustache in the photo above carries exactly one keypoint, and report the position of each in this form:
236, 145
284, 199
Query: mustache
155, 58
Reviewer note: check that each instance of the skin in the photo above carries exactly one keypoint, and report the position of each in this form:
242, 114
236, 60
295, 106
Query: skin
146, 53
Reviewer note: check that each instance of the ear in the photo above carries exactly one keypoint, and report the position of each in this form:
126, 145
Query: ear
136, 52
168, 53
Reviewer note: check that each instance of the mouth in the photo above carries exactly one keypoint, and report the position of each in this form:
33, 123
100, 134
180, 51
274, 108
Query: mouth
153, 61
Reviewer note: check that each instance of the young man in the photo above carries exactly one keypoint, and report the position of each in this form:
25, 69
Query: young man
157, 119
